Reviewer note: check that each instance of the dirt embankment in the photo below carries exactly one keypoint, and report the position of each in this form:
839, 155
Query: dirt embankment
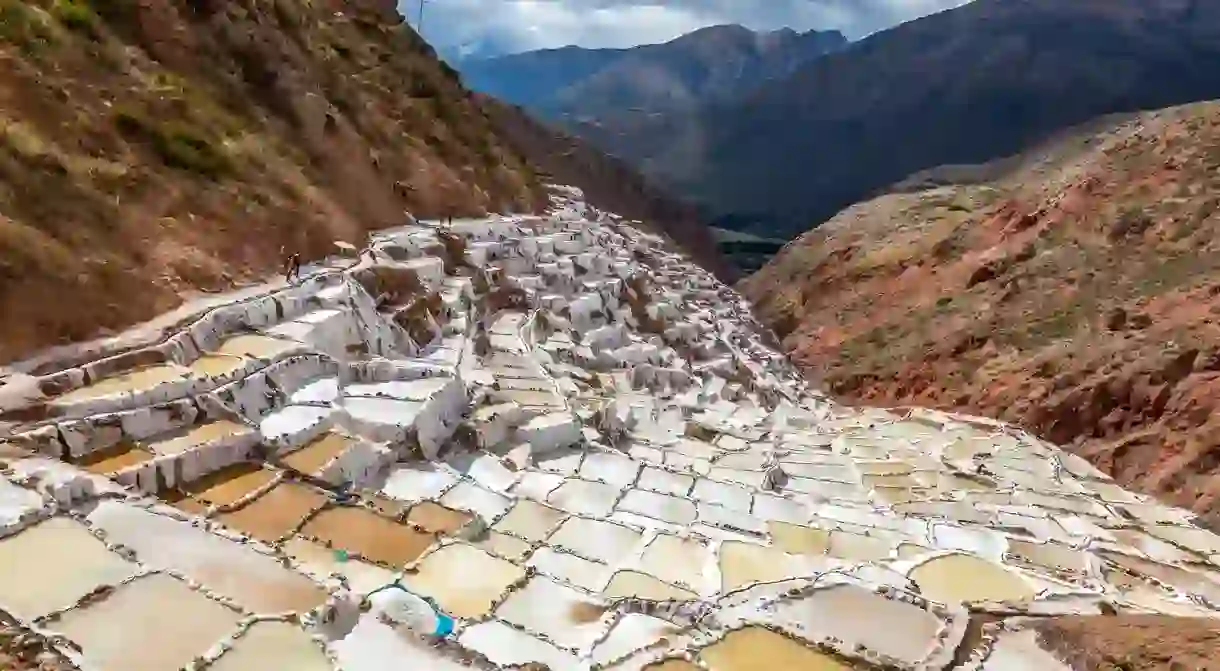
149, 148
1078, 295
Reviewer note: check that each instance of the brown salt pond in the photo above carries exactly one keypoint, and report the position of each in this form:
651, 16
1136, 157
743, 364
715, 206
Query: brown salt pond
633, 584
53, 564
368, 534
955, 578
1048, 555
860, 617
509, 547
257, 346
745, 563
230, 484
117, 632
275, 514
464, 580
676, 560
113, 459
529, 520
799, 540
217, 365
191, 437
317, 454
857, 547
140, 379
273, 645
182, 501
673, 665
437, 519
758, 649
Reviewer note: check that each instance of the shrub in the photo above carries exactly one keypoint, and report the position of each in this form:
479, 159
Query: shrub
77, 15
178, 144
20, 27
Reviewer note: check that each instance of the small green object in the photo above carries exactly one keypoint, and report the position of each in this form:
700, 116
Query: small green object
341, 555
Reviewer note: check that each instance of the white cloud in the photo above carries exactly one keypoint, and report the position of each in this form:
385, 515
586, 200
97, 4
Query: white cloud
519, 25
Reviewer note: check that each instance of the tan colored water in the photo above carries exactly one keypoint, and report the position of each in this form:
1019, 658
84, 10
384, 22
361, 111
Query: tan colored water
1049, 555
757, 649
911, 550
61, 562
799, 540
529, 520
273, 645
180, 500
464, 580
275, 514
258, 346
855, 547
438, 519
192, 437
744, 563
676, 560
952, 579
113, 459
140, 379
513, 549
230, 484
374, 537
216, 365
626, 584
323, 450
673, 665
151, 624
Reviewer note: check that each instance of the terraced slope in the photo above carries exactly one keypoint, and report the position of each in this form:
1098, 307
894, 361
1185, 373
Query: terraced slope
1071, 290
152, 149
540, 442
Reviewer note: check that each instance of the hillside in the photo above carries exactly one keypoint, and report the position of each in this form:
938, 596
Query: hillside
1074, 289
608, 183
610, 90
152, 149
963, 86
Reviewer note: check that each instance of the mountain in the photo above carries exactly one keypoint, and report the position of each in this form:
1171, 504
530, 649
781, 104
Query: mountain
711, 64
608, 183
963, 86
153, 150
1073, 289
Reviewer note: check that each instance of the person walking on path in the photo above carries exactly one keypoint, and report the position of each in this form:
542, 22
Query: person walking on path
293, 270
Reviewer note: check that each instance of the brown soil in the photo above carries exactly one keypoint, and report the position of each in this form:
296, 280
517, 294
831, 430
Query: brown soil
1134, 642
1077, 294
152, 148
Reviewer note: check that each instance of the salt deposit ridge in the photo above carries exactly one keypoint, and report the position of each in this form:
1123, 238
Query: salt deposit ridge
537, 442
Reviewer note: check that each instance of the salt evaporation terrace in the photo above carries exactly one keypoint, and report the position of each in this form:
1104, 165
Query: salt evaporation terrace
578, 448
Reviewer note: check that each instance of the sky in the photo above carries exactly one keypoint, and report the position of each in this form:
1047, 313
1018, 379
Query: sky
507, 26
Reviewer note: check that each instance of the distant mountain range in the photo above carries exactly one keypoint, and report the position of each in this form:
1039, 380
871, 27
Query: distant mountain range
709, 65
774, 139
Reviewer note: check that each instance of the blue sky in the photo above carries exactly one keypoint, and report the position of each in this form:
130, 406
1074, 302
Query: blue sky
520, 25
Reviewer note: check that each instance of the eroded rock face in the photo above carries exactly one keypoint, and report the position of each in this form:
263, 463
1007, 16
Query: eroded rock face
613, 470
1075, 295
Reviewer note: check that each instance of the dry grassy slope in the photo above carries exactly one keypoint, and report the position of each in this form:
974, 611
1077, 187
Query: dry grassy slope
152, 147
1078, 295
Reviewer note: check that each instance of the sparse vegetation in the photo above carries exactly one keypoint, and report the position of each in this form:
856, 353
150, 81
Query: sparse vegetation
177, 143
149, 148
77, 15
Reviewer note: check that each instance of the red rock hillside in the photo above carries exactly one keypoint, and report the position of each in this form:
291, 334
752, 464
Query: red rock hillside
1074, 290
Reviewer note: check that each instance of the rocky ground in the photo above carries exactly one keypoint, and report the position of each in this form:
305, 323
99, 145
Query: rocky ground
1074, 290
